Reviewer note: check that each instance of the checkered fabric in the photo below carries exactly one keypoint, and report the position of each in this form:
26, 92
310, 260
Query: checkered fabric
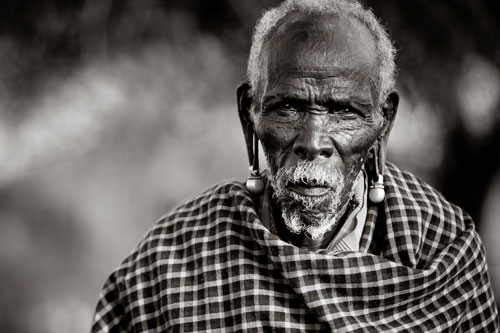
212, 266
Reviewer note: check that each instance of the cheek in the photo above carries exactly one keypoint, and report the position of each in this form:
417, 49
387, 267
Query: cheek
276, 137
354, 140
353, 148
353, 145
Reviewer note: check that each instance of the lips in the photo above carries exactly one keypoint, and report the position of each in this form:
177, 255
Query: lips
310, 190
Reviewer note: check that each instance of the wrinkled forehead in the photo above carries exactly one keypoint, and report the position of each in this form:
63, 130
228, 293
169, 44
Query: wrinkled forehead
320, 43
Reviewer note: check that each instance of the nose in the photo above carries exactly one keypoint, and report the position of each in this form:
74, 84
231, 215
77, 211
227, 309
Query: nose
313, 142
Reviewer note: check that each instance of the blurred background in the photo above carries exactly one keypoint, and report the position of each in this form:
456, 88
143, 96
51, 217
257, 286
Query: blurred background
114, 111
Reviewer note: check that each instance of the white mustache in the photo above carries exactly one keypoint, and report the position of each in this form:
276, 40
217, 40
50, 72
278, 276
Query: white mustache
308, 172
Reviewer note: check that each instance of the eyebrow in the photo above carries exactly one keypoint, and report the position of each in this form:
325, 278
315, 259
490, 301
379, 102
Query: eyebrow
269, 98
356, 101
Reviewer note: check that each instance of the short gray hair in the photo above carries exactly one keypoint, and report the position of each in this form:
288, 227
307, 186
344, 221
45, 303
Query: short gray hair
342, 8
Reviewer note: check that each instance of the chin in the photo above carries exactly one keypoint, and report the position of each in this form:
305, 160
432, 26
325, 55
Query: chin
313, 216
313, 226
303, 211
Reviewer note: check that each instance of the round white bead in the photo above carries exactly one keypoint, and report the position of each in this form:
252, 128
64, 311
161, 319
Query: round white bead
255, 185
376, 195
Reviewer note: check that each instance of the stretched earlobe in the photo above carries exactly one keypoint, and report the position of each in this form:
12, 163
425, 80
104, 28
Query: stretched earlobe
255, 183
376, 194
244, 106
390, 109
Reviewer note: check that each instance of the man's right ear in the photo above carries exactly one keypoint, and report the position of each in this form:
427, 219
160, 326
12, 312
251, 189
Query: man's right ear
244, 108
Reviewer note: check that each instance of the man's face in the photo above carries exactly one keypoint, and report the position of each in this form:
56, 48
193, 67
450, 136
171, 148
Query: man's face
317, 115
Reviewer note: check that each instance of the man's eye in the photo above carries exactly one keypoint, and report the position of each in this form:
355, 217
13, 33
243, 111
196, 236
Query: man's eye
287, 107
345, 111
342, 109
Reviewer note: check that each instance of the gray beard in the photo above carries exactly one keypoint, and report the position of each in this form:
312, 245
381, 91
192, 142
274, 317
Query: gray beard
314, 216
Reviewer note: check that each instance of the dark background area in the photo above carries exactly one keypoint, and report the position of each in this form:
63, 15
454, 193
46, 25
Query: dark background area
113, 112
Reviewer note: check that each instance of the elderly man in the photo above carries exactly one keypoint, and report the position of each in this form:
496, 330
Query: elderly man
332, 237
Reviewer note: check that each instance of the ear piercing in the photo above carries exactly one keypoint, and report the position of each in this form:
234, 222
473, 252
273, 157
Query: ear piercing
255, 183
377, 189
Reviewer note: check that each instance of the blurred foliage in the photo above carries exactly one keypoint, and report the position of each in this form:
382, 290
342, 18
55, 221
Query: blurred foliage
115, 111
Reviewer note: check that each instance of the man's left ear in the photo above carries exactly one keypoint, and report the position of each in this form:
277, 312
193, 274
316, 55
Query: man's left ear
389, 110
244, 97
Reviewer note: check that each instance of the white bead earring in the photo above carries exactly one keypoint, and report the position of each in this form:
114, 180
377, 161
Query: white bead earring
377, 189
255, 183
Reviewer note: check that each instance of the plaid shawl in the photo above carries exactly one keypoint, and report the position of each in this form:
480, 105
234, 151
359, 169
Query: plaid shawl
211, 265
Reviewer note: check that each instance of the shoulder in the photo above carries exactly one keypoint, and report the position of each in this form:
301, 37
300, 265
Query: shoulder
406, 191
420, 221
222, 207
177, 240
223, 199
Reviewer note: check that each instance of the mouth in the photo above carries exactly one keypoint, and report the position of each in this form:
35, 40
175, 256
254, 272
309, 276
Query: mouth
309, 189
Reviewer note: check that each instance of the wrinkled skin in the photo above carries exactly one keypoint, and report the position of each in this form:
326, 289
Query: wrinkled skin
319, 102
